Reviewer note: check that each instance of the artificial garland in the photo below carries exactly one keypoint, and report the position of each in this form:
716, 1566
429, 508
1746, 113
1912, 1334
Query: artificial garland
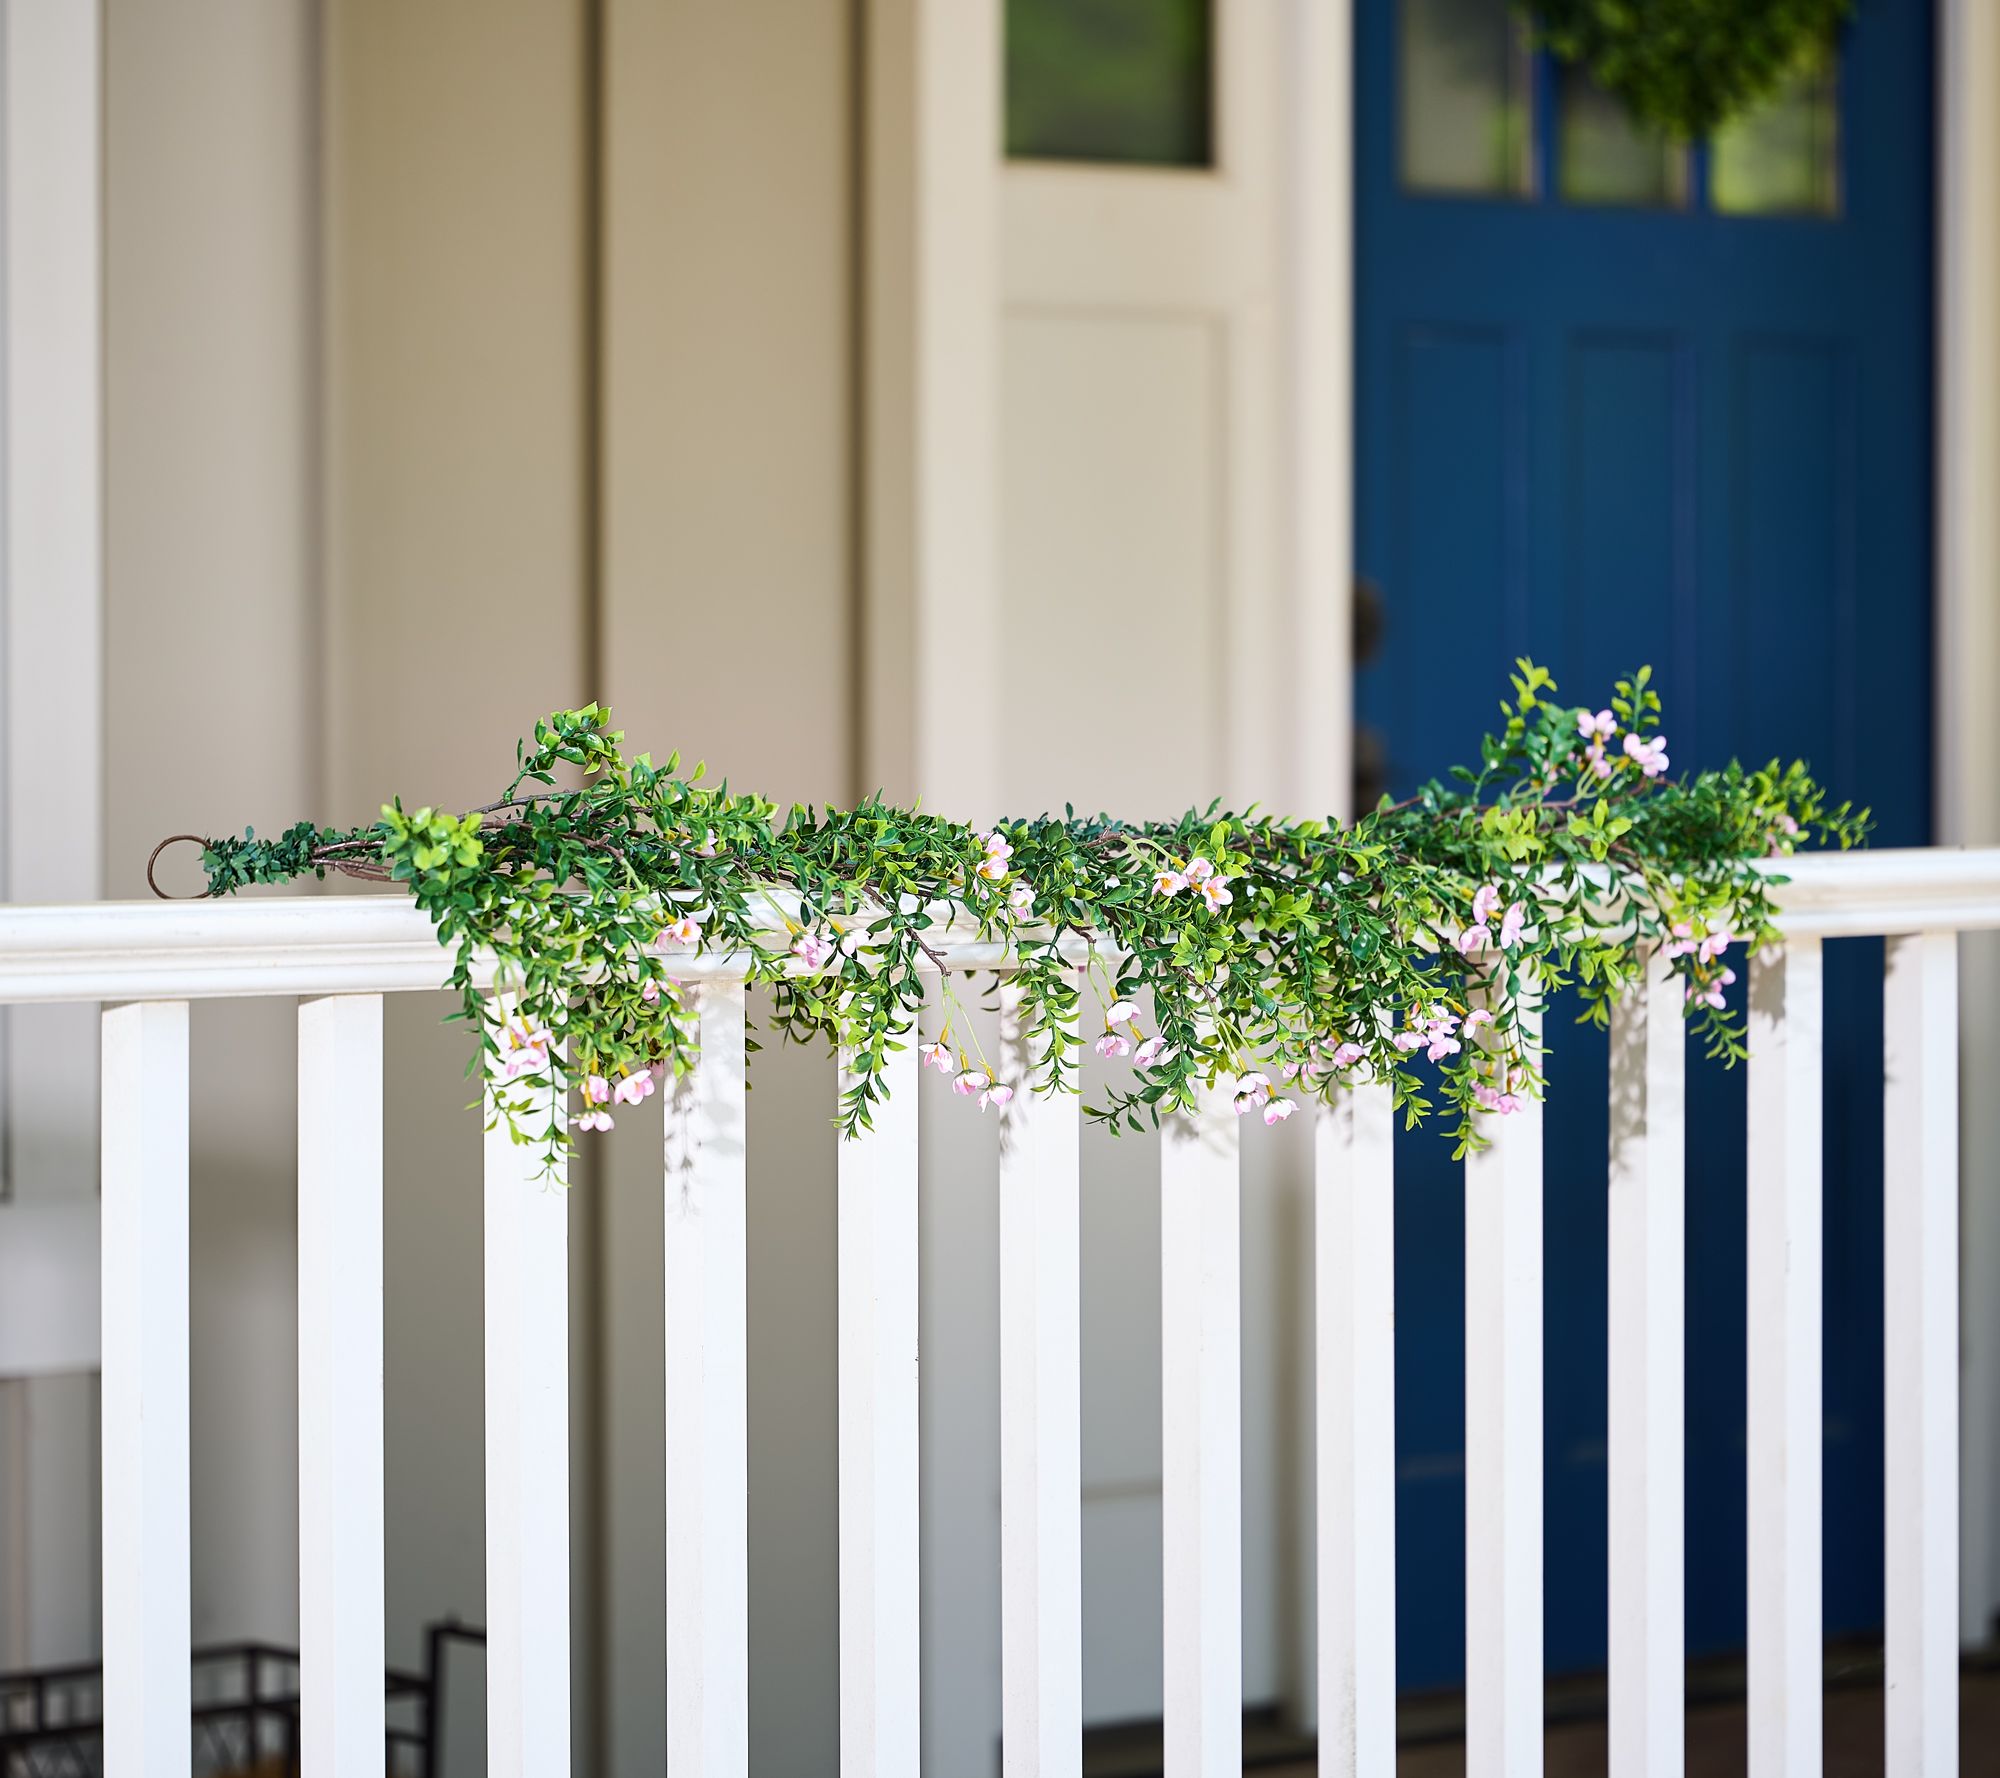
1688, 66
1274, 959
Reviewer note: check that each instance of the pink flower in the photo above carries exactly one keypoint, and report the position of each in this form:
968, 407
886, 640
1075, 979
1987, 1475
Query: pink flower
1475, 1018
1485, 903
1198, 871
594, 1120
634, 1087
1602, 724
973, 1080
1216, 893
1168, 882
1277, 1111
1121, 1013
1594, 753
1680, 941
1112, 1044
1406, 1041
1473, 939
996, 1094
707, 847
1715, 944
597, 1090
1511, 923
684, 931
813, 949
1650, 756
993, 867
1252, 1089
1346, 1055
936, 1055
1440, 1047
1021, 899
650, 993
1155, 1051
1495, 1100
524, 1051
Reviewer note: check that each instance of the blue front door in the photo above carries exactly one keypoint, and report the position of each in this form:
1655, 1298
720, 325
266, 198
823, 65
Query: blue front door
1620, 402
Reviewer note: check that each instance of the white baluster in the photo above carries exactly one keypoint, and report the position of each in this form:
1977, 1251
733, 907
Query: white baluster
527, 1455
708, 1616
341, 1635
877, 1218
147, 1624
1646, 1423
1041, 1527
1355, 1380
1784, 1362
1201, 1426
1920, 1372
1503, 1441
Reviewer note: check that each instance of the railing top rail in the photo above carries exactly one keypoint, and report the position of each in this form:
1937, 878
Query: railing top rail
334, 944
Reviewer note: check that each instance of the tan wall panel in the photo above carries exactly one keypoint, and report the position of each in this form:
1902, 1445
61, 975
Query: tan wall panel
455, 316
728, 464
210, 222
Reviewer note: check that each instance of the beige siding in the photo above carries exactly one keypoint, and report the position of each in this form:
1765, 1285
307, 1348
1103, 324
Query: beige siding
210, 215
728, 631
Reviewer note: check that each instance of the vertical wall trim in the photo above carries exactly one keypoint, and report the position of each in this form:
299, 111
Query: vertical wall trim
591, 1332
931, 350
1318, 245
1968, 716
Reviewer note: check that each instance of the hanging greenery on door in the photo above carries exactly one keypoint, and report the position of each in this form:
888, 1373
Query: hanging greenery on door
1688, 66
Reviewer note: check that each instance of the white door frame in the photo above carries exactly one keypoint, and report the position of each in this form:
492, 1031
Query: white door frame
1967, 718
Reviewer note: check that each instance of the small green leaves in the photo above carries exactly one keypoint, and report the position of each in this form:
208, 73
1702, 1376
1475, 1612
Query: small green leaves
1281, 958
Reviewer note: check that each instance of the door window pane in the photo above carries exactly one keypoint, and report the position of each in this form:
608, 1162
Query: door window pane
1467, 98
1110, 80
1606, 156
1783, 157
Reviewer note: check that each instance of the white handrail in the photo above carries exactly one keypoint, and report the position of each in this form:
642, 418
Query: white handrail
334, 944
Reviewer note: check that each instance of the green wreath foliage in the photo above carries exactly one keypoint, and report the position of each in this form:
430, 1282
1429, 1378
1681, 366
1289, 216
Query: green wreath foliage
1274, 960
1687, 66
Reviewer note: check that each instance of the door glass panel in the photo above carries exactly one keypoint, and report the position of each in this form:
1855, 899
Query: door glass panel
1605, 156
1466, 98
1783, 157
1110, 80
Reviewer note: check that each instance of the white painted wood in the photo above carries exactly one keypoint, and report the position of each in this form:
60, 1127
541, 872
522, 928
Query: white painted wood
1201, 1424
341, 1580
1355, 1381
1966, 653
1503, 1443
1784, 1431
1041, 1430
366, 944
877, 1216
708, 1576
1646, 1408
1317, 237
1920, 1368
527, 1456
147, 1626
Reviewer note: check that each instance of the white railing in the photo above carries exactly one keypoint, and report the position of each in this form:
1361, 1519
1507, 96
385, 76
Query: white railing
339, 955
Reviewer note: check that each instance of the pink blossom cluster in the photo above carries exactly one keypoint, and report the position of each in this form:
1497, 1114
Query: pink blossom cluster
1597, 727
598, 1092
1253, 1091
1438, 1031
1485, 904
1199, 875
1505, 1100
1706, 985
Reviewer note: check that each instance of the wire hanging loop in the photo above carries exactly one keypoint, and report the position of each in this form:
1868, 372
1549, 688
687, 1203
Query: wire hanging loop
172, 839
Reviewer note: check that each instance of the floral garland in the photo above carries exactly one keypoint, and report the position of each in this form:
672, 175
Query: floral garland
1281, 958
